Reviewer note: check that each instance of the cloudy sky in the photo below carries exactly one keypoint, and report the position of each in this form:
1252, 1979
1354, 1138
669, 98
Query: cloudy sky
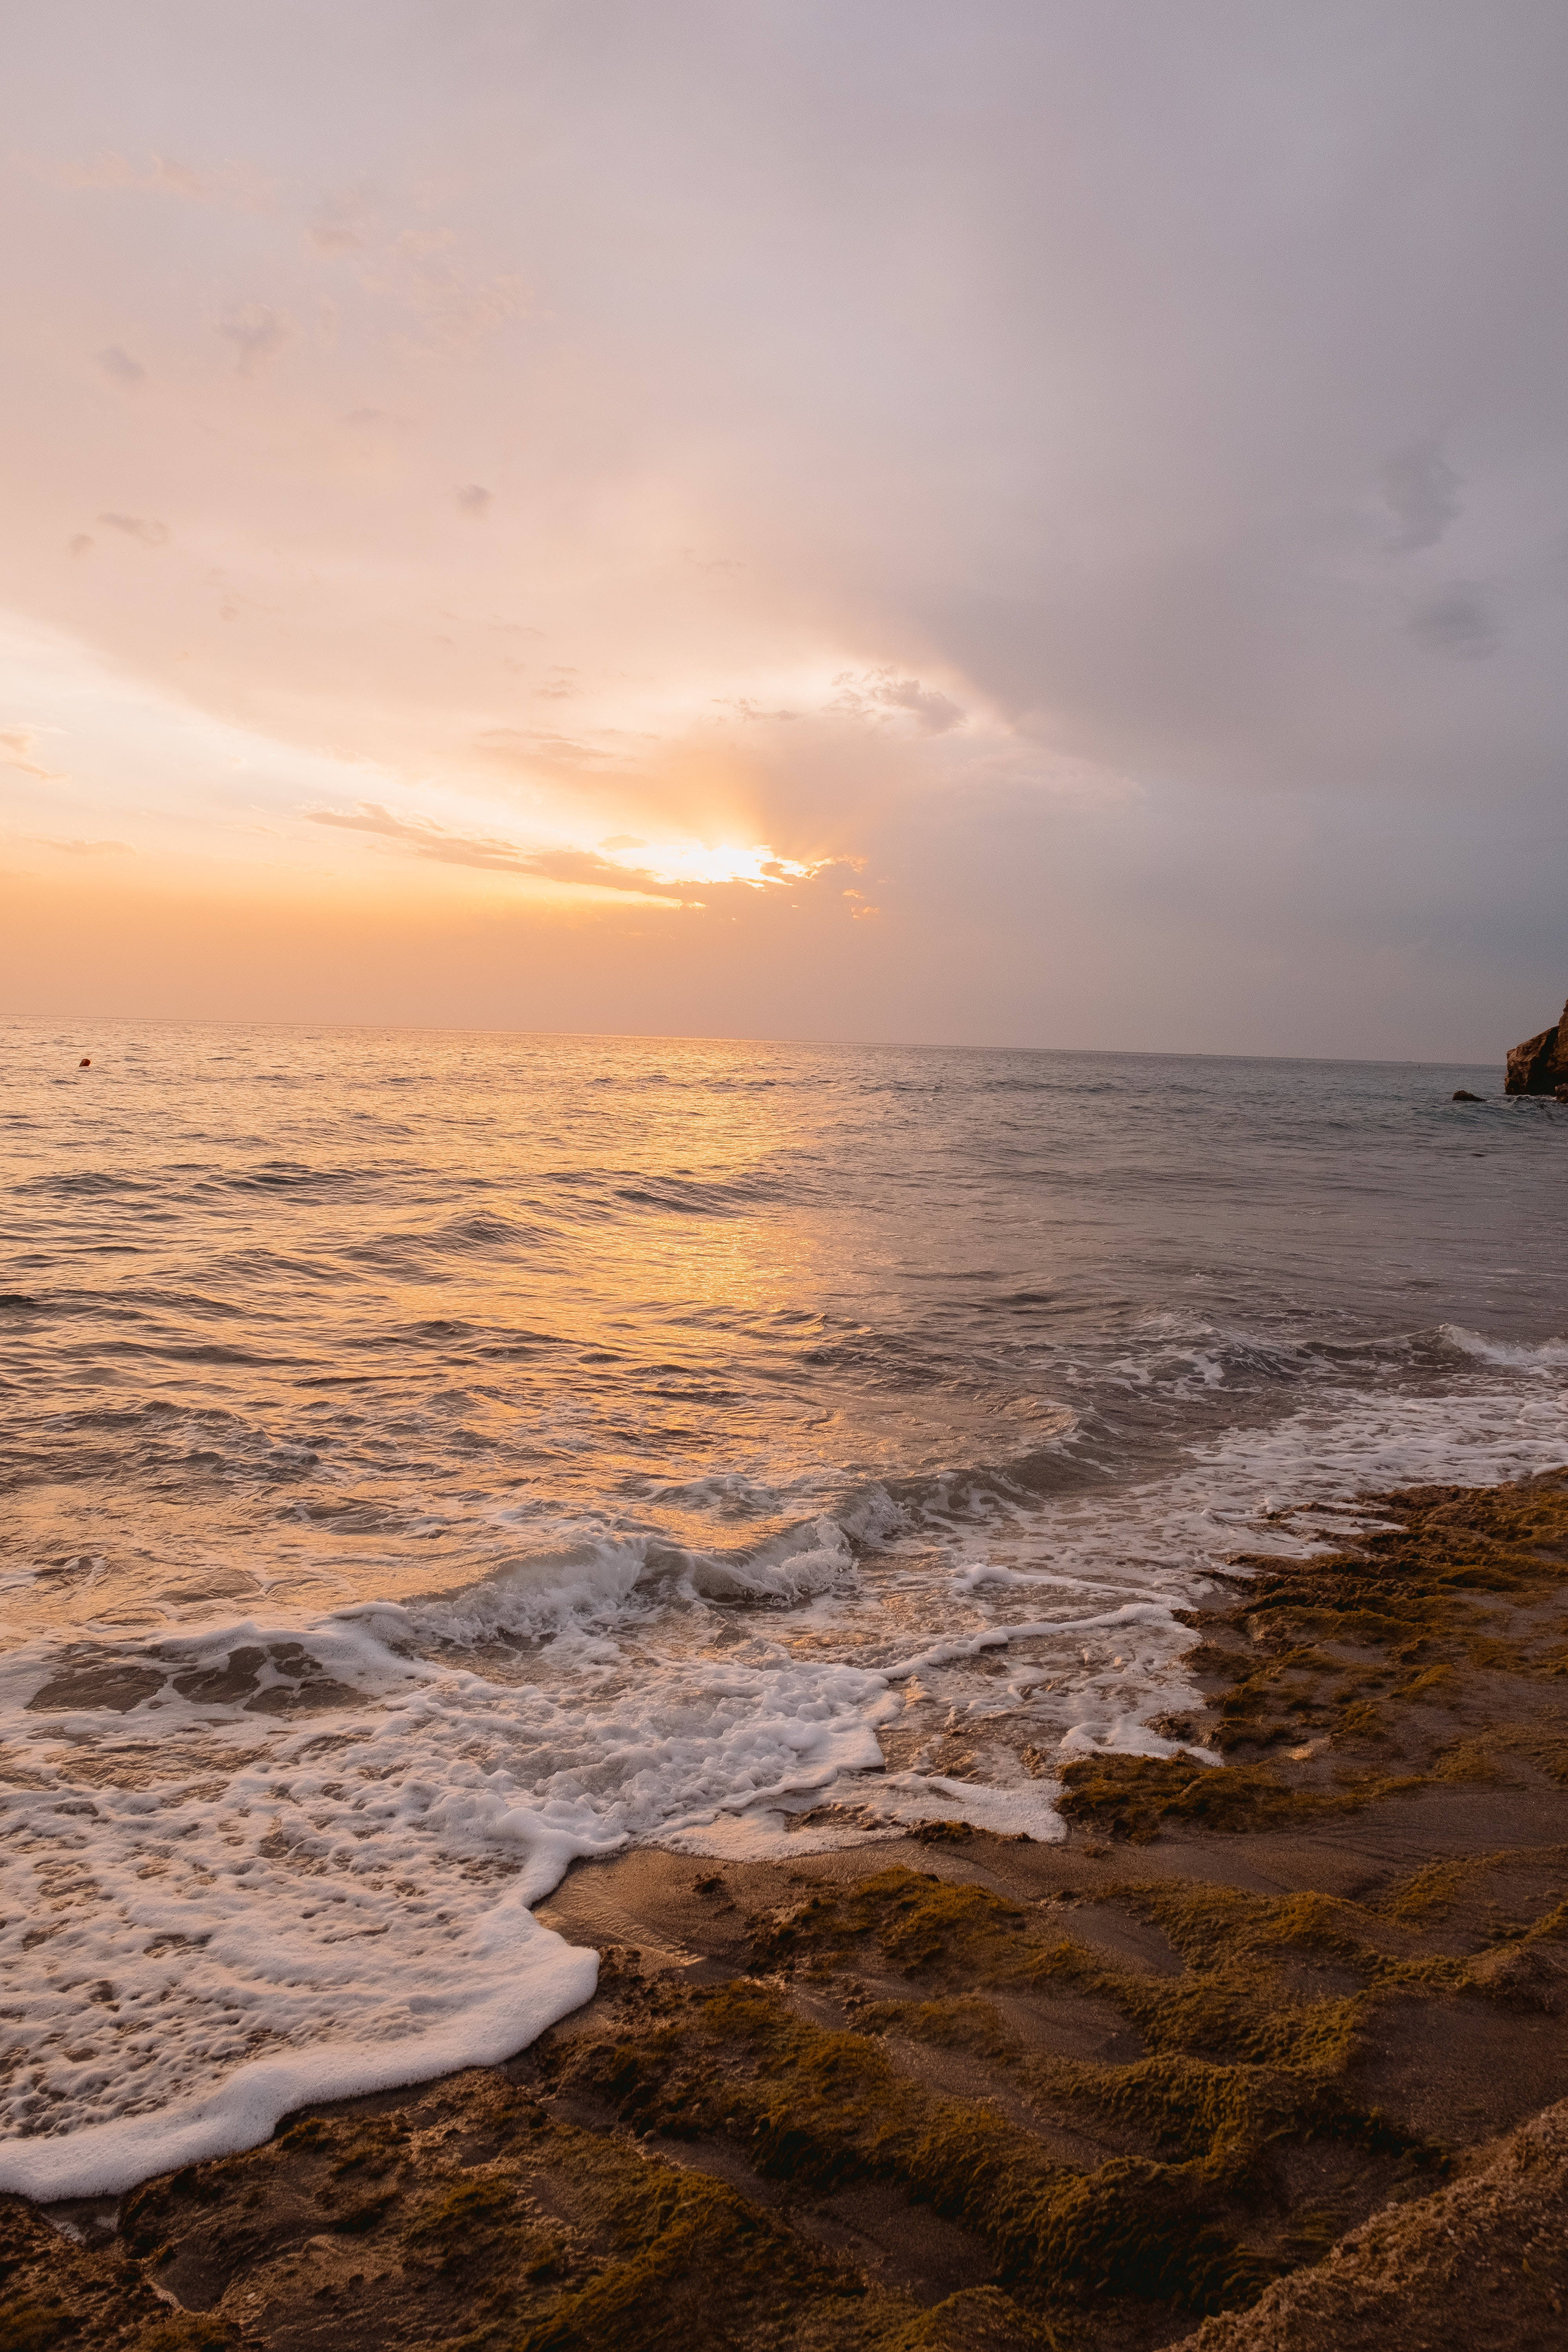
1039, 521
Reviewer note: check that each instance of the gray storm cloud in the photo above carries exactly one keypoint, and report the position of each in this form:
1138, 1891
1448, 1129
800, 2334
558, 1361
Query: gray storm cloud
120, 367
1423, 494
1458, 620
256, 333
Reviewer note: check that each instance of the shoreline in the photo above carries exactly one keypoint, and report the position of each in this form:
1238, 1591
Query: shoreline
962, 2090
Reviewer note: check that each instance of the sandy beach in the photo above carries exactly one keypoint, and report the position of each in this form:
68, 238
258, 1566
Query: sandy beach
1243, 2056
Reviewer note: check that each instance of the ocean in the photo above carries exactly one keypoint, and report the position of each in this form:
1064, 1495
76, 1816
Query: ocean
428, 1458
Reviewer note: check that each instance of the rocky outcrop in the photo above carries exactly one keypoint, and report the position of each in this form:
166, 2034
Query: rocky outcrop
1482, 2266
1540, 1066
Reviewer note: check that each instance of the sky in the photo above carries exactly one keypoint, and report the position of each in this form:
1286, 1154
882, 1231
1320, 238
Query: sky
1035, 522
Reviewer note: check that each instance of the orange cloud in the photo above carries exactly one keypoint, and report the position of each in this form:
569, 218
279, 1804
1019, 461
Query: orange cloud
16, 748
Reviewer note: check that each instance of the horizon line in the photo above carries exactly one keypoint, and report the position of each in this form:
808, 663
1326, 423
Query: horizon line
701, 1037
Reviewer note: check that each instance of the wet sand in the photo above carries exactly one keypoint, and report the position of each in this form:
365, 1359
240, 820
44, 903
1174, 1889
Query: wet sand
1242, 2056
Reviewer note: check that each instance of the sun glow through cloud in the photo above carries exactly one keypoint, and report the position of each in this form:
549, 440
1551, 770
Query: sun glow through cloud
871, 526
181, 783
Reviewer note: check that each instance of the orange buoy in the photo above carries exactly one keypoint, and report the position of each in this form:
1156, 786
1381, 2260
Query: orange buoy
85, 1063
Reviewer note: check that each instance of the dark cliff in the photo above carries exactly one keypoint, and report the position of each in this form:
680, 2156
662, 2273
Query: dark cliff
1540, 1066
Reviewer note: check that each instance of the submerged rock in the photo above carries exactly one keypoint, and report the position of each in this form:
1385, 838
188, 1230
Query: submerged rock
1540, 1066
1463, 1094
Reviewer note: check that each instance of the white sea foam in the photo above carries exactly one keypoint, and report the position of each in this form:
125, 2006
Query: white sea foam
989, 1573
216, 1911
900, 1802
1073, 1629
198, 1893
442, 2002
1544, 1356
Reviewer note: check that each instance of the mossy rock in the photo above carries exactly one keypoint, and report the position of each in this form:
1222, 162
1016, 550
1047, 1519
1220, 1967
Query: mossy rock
34, 2326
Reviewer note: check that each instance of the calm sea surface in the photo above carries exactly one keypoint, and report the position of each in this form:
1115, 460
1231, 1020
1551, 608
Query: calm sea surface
428, 1457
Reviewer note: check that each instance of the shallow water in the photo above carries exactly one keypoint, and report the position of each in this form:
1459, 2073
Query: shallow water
428, 1457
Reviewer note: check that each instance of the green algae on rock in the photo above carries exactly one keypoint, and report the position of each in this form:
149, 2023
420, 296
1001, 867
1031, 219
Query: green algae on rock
1427, 1651
958, 2093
